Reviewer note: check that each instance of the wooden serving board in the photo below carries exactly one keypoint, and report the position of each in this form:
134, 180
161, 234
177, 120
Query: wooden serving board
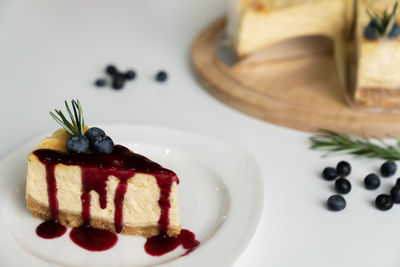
293, 84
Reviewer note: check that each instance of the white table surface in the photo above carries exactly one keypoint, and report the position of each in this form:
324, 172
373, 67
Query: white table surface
54, 50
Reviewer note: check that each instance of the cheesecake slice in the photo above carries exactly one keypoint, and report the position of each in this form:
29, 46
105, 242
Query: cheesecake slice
377, 60
122, 192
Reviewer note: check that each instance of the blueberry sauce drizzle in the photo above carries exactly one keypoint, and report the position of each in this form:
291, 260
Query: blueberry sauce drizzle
51, 228
52, 190
96, 168
118, 203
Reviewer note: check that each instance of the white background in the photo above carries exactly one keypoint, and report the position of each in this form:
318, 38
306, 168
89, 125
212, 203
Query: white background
54, 50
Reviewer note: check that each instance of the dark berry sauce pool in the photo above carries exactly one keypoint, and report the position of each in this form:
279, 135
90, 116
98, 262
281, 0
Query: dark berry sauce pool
93, 239
162, 243
50, 229
96, 168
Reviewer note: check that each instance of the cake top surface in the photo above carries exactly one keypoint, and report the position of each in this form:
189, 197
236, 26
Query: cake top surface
53, 150
378, 6
121, 159
56, 141
269, 5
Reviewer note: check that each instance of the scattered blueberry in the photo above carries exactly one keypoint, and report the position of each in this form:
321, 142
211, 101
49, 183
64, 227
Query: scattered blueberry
343, 168
100, 83
395, 193
398, 181
388, 168
103, 145
94, 133
371, 31
342, 186
336, 203
372, 181
384, 202
329, 173
118, 78
77, 144
395, 32
118, 82
130, 75
161, 76
111, 69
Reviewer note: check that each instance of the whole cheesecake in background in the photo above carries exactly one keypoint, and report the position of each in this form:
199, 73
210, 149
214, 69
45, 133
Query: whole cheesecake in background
369, 71
113, 189
257, 24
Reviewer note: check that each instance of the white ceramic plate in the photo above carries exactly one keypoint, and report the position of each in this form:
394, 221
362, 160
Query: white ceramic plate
220, 199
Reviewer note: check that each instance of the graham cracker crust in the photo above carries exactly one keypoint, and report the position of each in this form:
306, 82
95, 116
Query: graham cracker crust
74, 220
378, 97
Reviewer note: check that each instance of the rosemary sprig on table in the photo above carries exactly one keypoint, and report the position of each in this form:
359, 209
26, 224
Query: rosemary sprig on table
76, 126
344, 143
383, 23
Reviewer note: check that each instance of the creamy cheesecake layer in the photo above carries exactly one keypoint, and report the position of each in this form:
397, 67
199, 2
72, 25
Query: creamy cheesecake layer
378, 61
254, 25
141, 209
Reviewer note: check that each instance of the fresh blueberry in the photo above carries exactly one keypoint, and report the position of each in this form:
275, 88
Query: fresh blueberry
372, 181
388, 168
161, 76
384, 202
343, 168
342, 186
130, 75
395, 32
100, 82
118, 82
336, 203
94, 133
373, 23
395, 193
77, 144
398, 181
329, 173
370, 32
111, 69
103, 145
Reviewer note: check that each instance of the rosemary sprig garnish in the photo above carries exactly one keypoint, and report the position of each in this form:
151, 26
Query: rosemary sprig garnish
344, 143
76, 126
383, 23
